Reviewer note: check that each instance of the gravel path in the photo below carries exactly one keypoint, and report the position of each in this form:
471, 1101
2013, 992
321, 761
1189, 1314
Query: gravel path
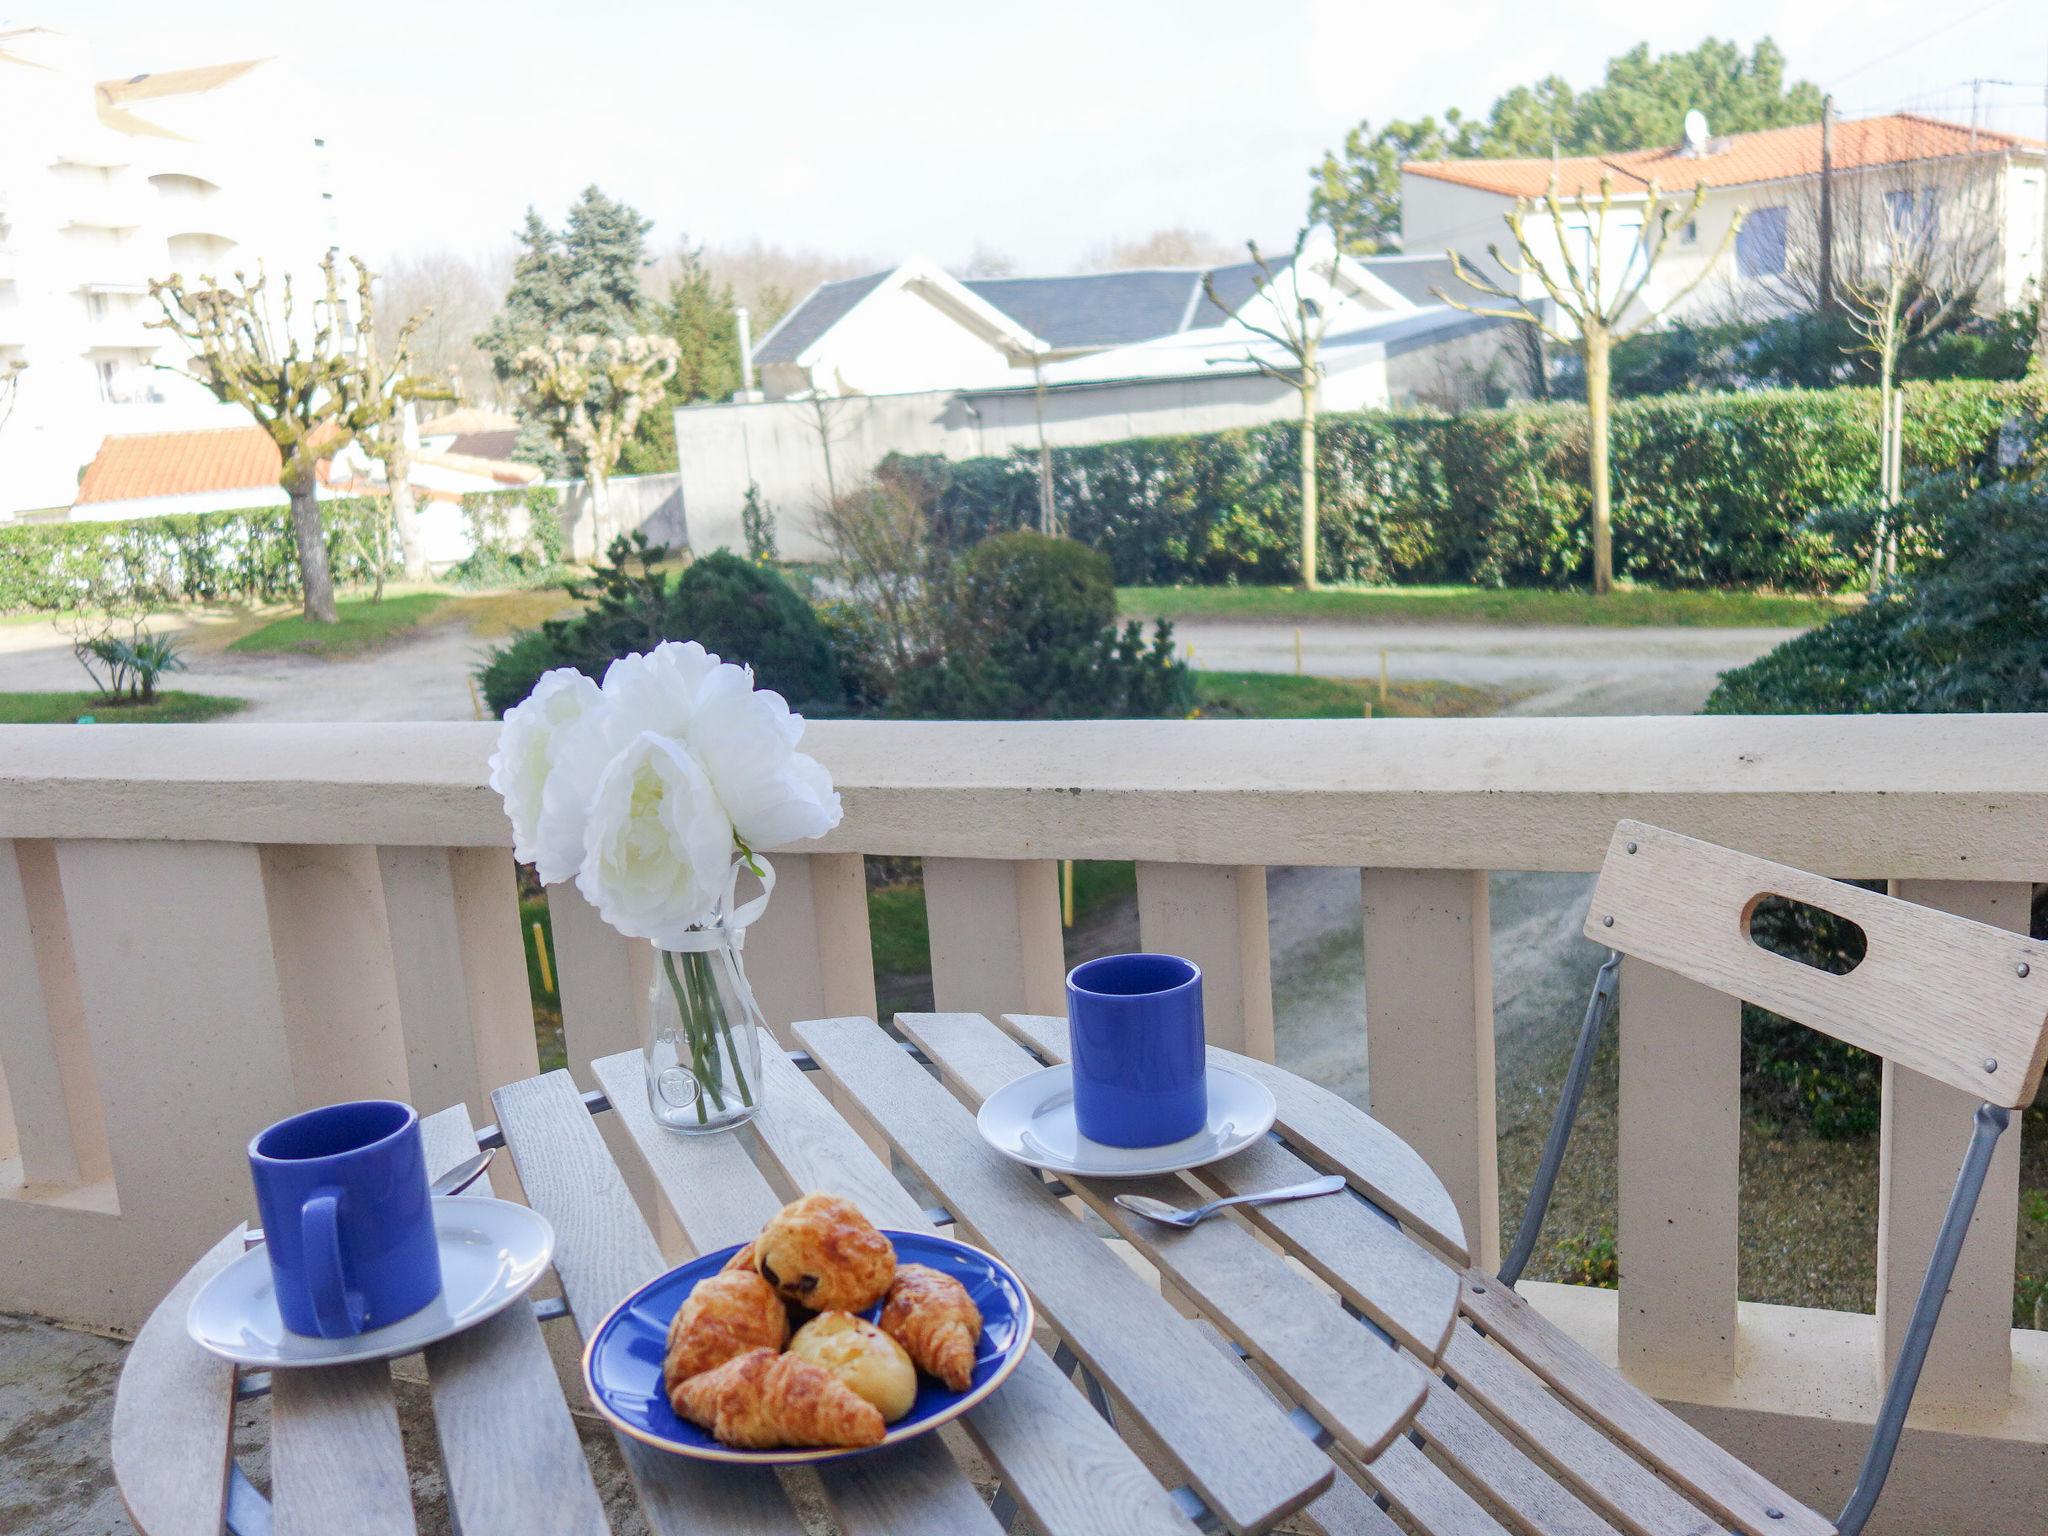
423, 678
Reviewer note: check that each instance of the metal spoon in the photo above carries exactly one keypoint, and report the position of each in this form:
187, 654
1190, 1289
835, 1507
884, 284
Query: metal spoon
1173, 1216
453, 1182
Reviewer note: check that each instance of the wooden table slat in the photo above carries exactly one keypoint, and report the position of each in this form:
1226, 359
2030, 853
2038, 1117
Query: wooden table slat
1062, 1462
336, 1460
1457, 1432
174, 1416
1615, 1482
514, 1464
1342, 1509
1425, 1496
1362, 1391
1727, 1487
1203, 1413
1401, 1286
1317, 1121
719, 1197
603, 1252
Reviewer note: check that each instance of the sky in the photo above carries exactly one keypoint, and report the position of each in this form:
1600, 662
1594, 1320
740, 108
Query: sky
898, 127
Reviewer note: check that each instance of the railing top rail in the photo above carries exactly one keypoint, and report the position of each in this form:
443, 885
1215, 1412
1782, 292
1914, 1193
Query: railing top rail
1959, 797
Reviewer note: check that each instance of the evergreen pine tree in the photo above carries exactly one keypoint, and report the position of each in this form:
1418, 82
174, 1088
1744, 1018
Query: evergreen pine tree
582, 279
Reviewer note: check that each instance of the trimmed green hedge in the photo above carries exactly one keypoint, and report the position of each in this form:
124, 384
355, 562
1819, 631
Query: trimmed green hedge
1709, 491
207, 557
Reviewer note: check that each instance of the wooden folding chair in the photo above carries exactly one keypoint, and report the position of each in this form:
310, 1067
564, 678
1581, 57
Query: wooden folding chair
1956, 1001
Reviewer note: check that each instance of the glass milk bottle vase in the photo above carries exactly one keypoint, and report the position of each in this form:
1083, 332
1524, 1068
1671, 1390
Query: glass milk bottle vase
703, 1035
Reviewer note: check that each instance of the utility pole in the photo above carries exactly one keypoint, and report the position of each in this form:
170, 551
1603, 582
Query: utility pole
1827, 204
1048, 514
2041, 276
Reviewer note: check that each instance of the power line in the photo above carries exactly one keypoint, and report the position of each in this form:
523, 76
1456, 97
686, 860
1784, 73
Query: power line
1947, 26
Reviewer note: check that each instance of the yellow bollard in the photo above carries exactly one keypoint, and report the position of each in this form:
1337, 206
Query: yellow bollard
476, 702
540, 955
1297, 650
1383, 677
1067, 893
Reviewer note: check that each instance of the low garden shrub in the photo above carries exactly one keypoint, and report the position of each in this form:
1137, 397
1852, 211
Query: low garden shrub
1710, 491
743, 612
1029, 632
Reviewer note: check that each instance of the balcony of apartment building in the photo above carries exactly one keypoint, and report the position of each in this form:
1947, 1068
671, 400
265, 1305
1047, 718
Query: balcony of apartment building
117, 317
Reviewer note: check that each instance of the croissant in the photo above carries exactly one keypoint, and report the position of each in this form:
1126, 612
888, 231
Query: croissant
760, 1400
726, 1315
931, 1315
821, 1252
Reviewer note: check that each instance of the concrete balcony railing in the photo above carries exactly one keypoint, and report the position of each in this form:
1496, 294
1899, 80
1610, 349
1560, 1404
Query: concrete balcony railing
205, 927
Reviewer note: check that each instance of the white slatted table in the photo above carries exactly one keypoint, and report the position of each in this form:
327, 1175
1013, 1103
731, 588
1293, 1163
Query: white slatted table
1323, 1364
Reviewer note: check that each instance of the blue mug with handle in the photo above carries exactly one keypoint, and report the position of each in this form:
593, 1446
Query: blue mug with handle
347, 1217
1134, 1026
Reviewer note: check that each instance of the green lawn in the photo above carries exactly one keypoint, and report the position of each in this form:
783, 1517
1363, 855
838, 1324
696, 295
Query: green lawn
169, 707
366, 624
1277, 696
1474, 605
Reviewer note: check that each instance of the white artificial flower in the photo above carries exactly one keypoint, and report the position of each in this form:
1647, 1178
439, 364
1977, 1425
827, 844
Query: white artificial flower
657, 846
582, 751
744, 736
528, 743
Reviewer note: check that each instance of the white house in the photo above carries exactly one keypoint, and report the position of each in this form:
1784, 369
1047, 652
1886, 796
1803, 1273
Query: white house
105, 184
916, 327
1775, 175
915, 361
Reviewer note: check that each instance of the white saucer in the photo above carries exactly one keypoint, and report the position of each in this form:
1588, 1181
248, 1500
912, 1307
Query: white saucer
491, 1253
1032, 1120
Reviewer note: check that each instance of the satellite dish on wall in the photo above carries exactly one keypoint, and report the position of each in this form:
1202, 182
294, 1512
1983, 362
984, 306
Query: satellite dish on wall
1696, 131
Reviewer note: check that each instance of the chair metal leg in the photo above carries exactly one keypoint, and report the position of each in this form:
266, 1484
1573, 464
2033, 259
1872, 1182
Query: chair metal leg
1599, 1007
1941, 1269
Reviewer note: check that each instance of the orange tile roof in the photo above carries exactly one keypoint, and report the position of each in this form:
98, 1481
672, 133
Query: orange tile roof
145, 464
1739, 159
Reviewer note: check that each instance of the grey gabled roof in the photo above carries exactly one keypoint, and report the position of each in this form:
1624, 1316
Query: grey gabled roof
1413, 276
1095, 309
825, 308
1234, 285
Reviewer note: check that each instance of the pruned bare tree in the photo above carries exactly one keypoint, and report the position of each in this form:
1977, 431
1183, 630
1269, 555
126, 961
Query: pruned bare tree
1594, 302
1913, 248
1294, 322
307, 383
589, 392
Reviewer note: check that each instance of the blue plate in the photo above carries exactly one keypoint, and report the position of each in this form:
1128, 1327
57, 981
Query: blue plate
622, 1363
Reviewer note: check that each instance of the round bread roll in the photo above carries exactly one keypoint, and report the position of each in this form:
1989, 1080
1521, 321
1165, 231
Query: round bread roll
823, 1254
863, 1357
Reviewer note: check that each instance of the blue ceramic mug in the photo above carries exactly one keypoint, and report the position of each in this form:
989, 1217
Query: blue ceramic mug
347, 1217
1134, 1023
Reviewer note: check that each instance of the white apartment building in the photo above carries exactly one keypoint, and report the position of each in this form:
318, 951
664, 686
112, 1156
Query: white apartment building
105, 184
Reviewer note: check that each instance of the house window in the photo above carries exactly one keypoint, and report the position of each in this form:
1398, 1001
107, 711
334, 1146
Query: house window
1760, 246
1690, 234
1914, 211
95, 306
110, 382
